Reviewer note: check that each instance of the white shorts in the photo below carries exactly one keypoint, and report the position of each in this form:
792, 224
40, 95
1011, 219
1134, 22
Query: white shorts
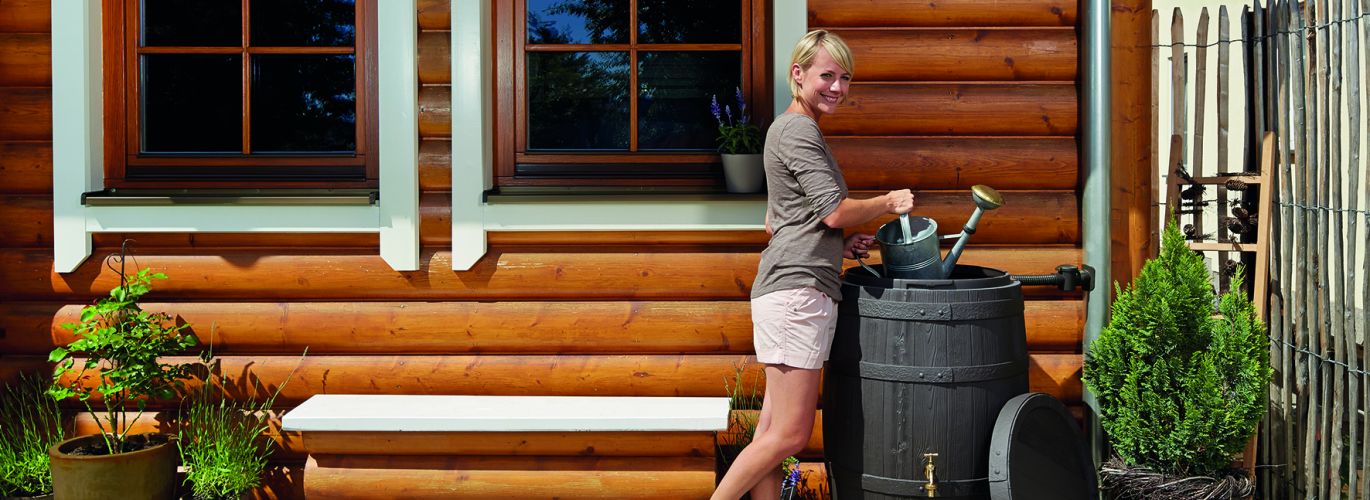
794, 327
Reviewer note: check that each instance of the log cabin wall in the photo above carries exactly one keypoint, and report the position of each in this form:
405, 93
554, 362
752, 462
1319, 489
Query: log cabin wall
947, 95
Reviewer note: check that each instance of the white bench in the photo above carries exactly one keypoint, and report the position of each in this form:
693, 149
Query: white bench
389, 446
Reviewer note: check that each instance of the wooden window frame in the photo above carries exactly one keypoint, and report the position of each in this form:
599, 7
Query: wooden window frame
126, 168
627, 169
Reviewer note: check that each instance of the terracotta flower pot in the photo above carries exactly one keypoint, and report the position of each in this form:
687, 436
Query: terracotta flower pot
149, 473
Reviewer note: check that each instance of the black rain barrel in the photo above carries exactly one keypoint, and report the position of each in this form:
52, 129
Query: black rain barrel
921, 366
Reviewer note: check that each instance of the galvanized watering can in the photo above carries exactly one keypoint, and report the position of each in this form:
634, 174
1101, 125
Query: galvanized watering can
908, 245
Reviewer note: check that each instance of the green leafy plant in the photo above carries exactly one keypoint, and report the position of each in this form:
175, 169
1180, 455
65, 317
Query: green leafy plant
221, 443
117, 358
30, 423
735, 137
1179, 389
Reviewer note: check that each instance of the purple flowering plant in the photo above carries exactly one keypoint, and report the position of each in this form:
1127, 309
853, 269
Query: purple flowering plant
789, 482
739, 136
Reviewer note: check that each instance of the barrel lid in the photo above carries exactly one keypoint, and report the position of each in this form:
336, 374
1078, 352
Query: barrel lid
1037, 451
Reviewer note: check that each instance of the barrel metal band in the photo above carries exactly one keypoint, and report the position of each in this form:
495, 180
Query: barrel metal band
945, 311
915, 487
942, 374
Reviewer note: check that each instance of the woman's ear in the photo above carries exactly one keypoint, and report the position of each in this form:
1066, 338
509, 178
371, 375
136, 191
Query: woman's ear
797, 74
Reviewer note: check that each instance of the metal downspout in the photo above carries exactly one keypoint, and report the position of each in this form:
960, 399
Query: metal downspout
1096, 203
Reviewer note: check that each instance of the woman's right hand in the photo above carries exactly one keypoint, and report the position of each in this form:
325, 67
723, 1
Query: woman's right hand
899, 202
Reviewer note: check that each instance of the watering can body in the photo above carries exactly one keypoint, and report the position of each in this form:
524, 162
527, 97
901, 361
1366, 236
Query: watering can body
918, 257
909, 244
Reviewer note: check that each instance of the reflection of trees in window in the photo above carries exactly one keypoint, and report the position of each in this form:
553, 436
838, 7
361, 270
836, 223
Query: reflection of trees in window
582, 97
578, 100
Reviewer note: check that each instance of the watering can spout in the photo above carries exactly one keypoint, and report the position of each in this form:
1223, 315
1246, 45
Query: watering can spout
986, 198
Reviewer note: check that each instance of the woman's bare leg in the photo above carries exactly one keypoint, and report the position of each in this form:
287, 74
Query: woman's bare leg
792, 394
769, 485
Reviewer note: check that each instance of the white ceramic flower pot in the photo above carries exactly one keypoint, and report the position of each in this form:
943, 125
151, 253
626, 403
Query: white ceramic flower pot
744, 173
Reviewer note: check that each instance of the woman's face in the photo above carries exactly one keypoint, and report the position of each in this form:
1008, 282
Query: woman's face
823, 85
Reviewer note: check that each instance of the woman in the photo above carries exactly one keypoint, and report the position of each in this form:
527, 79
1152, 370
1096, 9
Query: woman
794, 311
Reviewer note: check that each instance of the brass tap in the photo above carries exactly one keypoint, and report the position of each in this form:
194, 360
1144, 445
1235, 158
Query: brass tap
930, 473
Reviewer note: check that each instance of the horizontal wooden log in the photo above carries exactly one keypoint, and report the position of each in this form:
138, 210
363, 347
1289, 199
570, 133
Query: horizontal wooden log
1027, 217
248, 377
27, 222
26, 167
1037, 109
422, 327
434, 61
656, 327
530, 444
364, 477
504, 273
435, 165
435, 111
25, 16
964, 54
25, 60
435, 14
957, 162
899, 13
513, 375
25, 114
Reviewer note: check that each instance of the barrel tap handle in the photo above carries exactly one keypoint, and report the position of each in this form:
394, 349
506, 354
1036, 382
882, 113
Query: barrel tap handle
930, 472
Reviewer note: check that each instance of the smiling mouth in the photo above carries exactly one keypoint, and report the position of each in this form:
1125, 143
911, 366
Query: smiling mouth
830, 98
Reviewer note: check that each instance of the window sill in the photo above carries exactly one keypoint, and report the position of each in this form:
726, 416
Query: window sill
230, 197
615, 194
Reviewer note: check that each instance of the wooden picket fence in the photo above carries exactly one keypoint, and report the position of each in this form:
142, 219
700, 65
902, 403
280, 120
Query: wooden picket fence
1299, 68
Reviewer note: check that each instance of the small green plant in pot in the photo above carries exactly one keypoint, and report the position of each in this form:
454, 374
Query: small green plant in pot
116, 364
1180, 389
739, 146
30, 423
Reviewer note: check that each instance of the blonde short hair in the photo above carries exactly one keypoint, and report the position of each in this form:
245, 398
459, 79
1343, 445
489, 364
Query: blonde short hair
807, 49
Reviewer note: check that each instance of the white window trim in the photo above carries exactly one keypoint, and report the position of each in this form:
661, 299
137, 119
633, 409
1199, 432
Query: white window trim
78, 152
472, 53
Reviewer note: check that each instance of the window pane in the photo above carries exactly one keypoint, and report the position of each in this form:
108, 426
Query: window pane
578, 100
192, 23
577, 21
695, 21
674, 93
302, 23
304, 103
192, 103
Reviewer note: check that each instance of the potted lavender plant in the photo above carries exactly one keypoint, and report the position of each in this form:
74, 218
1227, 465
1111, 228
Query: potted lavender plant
739, 143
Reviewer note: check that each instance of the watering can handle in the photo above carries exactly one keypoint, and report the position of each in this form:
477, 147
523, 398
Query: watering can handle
868, 268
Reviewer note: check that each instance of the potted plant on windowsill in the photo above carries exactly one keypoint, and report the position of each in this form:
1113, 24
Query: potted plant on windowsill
739, 144
30, 423
116, 362
1180, 390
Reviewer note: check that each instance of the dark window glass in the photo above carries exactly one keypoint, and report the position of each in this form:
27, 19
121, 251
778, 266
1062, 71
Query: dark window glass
578, 100
192, 23
674, 92
192, 103
304, 103
577, 21
693, 21
303, 23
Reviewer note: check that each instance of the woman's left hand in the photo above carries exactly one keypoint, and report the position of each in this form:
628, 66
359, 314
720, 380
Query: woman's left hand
857, 245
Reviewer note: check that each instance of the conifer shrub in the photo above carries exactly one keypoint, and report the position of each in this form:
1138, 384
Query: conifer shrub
1179, 389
